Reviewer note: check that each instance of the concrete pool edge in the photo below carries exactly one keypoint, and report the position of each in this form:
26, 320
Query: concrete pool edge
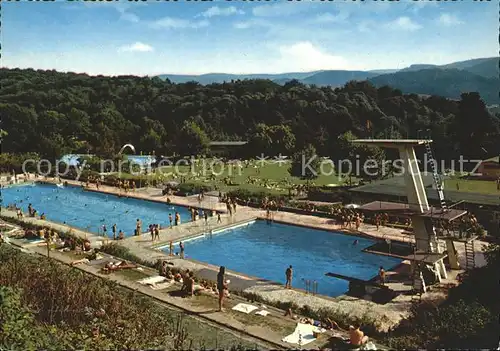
202, 234
257, 279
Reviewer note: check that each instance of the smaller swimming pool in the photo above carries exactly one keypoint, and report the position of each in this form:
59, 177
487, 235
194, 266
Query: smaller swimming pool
265, 251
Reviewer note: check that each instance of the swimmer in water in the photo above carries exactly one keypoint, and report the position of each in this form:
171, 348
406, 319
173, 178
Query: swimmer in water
355, 242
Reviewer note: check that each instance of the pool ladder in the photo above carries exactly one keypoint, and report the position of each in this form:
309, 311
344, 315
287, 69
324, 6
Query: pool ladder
311, 286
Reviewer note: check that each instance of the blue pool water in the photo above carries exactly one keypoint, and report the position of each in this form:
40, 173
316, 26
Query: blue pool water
89, 210
265, 251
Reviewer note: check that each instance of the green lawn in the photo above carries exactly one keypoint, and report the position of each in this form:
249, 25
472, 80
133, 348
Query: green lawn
472, 186
272, 177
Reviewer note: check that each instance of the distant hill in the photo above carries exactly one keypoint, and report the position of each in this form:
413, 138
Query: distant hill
448, 80
449, 83
210, 78
337, 78
417, 67
487, 68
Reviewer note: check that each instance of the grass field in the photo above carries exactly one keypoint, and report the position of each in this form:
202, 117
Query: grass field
272, 177
472, 186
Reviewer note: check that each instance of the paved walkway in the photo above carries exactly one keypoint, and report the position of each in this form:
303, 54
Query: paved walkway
142, 246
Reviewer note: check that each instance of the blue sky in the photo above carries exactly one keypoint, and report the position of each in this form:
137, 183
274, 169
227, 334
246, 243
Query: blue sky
244, 37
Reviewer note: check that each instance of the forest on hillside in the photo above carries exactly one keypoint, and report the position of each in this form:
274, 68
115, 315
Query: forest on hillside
53, 113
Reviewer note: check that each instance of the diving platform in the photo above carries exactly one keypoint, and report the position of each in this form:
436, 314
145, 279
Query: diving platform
406, 210
419, 257
417, 207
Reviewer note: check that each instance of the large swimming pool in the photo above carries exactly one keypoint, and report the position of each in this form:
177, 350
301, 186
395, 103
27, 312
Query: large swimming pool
90, 210
265, 251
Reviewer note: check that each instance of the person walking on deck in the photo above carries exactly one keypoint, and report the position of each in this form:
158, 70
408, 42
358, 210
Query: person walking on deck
221, 286
181, 247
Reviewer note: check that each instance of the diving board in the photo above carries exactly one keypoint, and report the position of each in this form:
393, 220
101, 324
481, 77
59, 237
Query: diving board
356, 280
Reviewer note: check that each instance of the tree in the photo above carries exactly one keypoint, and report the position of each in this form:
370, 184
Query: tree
358, 160
305, 163
272, 140
192, 140
81, 114
479, 134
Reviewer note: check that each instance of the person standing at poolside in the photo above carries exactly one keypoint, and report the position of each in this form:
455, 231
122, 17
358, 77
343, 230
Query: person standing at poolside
157, 231
289, 275
205, 214
219, 220
152, 231
381, 275
177, 218
181, 247
138, 227
170, 219
171, 248
114, 231
221, 286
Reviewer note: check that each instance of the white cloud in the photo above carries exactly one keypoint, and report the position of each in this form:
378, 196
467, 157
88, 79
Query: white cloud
178, 23
331, 18
127, 16
277, 10
448, 20
304, 56
404, 23
136, 47
221, 11
252, 24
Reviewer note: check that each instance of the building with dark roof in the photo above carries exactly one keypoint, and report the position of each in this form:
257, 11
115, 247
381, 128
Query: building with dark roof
490, 168
229, 149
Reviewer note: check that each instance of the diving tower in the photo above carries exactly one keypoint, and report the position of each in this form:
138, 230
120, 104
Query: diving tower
417, 207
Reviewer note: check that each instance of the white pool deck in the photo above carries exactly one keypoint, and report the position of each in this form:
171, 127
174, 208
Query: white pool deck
142, 246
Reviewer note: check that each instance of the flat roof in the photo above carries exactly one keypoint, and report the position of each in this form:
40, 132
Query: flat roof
392, 143
434, 212
227, 143
495, 159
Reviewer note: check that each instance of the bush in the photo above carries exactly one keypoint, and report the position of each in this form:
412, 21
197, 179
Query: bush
187, 189
46, 305
123, 252
468, 319
254, 197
